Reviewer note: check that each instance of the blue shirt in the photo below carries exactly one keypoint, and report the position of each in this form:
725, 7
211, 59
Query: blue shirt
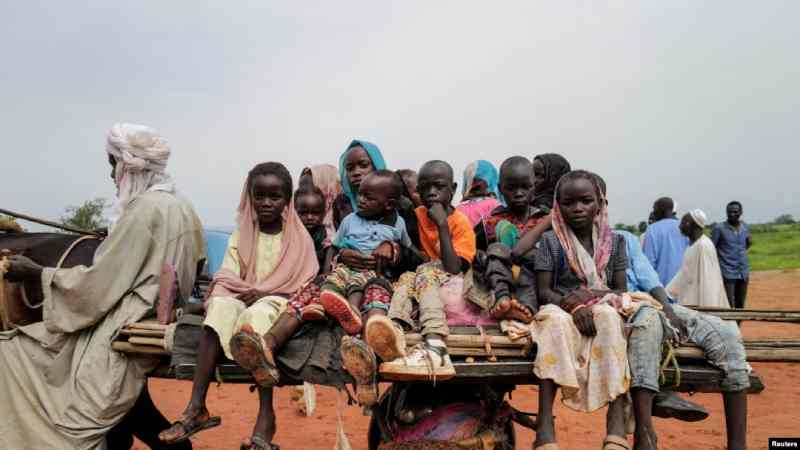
640, 274
732, 250
664, 246
358, 233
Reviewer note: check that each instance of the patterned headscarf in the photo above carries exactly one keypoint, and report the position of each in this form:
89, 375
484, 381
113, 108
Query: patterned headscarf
375, 156
590, 270
555, 166
482, 170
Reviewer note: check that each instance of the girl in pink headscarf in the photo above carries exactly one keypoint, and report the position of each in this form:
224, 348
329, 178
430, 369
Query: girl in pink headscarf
270, 256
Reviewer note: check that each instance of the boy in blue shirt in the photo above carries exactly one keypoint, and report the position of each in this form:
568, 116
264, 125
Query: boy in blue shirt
375, 229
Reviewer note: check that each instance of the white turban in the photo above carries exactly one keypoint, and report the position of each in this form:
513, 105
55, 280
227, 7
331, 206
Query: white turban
141, 156
699, 217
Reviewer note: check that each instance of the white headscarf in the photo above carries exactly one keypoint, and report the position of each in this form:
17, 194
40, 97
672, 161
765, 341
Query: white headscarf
141, 155
699, 217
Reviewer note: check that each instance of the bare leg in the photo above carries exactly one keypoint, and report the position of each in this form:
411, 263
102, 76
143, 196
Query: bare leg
645, 435
736, 419
375, 312
615, 417
208, 354
265, 423
355, 299
282, 330
545, 429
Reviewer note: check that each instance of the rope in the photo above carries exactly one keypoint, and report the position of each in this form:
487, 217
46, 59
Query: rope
670, 358
58, 266
4, 295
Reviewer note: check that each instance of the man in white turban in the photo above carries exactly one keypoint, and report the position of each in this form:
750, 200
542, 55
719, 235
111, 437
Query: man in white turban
699, 281
62, 385
138, 156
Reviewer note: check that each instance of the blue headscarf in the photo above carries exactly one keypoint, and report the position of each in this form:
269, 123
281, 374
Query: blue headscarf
375, 156
483, 170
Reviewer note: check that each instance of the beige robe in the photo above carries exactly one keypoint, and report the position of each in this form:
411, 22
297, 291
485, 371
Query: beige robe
61, 385
699, 282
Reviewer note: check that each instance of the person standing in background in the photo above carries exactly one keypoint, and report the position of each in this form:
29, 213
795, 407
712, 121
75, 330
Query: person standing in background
664, 244
732, 240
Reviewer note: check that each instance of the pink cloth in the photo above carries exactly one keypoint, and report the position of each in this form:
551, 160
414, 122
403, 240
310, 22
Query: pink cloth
326, 178
478, 209
297, 263
591, 270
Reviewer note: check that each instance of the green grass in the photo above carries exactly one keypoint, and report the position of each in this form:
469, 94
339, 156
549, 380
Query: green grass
775, 247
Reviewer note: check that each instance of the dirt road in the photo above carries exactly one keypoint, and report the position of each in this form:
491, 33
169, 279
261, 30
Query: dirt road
771, 413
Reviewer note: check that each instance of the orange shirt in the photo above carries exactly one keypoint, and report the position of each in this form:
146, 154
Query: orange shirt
461, 233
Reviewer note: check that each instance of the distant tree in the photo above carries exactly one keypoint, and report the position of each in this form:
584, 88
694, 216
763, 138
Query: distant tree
629, 228
88, 216
784, 219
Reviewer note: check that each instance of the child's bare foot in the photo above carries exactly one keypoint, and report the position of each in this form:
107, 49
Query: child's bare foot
508, 308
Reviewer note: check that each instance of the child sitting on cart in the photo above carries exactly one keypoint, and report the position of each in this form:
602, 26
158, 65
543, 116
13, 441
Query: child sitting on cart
447, 238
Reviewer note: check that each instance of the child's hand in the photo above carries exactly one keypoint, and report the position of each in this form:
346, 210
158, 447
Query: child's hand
22, 268
356, 260
387, 252
584, 320
438, 214
250, 296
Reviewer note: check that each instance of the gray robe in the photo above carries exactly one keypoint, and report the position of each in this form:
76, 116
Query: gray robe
61, 385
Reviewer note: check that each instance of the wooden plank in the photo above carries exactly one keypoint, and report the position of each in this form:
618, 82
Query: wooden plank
766, 315
460, 340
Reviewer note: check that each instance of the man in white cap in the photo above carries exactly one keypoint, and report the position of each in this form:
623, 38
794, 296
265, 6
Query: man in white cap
62, 385
699, 281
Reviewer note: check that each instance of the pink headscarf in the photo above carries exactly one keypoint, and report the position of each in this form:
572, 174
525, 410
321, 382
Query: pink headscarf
591, 271
326, 178
297, 262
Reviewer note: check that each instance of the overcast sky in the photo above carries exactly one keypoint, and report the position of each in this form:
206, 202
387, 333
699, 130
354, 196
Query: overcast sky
696, 100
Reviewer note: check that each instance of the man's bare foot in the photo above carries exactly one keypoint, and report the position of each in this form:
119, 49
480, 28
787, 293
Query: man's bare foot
511, 309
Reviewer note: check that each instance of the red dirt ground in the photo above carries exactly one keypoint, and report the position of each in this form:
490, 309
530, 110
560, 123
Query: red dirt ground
770, 413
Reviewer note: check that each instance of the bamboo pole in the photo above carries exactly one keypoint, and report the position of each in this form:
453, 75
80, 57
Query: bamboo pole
146, 341
764, 315
127, 347
147, 326
48, 223
141, 332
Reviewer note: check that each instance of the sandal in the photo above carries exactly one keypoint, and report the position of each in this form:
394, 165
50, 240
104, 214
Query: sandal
337, 306
248, 351
256, 442
360, 362
182, 429
312, 312
612, 442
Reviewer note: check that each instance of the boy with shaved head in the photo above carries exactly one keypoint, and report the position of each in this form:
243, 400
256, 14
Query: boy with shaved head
447, 238
514, 297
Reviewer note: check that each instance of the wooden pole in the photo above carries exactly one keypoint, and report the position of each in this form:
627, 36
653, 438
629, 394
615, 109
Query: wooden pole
48, 223
127, 347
